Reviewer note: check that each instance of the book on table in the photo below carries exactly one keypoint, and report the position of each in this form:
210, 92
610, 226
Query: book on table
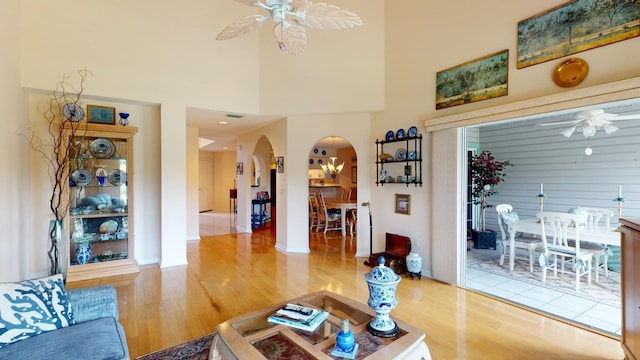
299, 317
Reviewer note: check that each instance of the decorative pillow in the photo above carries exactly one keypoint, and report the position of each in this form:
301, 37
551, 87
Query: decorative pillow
508, 218
29, 308
583, 213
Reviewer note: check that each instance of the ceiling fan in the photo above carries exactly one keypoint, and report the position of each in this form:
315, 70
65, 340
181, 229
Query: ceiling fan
589, 121
291, 17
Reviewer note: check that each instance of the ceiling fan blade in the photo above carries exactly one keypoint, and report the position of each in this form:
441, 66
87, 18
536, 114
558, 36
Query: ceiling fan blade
247, 2
326, 17
242, 27
292, 38
615, 117
559, 123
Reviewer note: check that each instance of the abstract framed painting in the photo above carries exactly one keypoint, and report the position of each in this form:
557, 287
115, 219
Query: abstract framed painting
575, 26
475, 80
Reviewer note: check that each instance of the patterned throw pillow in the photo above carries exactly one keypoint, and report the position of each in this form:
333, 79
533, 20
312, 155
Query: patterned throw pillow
29, 308
507, 219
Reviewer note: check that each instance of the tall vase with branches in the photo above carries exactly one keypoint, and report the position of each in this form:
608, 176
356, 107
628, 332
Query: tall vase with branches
64, 115
486, 172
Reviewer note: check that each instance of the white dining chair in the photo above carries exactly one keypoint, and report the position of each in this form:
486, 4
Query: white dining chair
506, 215
558, 224
593, 216
328, 220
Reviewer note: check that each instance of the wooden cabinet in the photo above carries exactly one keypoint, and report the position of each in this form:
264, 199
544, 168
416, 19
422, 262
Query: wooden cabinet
399, 161
100, 194
631, 288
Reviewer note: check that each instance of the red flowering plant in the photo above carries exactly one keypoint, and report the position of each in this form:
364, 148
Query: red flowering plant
485, 173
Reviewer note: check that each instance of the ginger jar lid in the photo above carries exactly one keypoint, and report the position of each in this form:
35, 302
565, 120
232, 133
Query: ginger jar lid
382, 274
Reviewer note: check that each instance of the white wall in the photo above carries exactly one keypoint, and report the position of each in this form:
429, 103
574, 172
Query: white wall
14, 242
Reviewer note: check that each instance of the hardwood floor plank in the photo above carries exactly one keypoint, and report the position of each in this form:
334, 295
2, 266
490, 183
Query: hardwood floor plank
229, 275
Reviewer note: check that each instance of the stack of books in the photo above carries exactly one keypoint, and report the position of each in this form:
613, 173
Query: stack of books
299, 317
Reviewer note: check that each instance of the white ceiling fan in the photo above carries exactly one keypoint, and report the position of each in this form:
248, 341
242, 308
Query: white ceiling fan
588, 122
291, 17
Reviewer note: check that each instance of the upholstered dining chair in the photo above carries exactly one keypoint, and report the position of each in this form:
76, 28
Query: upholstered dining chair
328, 220
557, 247
506, 215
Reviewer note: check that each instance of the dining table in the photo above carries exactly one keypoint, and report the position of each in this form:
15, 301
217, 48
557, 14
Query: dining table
344, 206
594, 234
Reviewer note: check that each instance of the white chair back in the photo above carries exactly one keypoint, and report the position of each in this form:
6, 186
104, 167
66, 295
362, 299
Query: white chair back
558, 224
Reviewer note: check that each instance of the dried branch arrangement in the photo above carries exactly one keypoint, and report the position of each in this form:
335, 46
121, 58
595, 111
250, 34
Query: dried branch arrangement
64, 115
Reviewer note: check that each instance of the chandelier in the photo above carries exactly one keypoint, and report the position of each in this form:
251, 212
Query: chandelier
331, 168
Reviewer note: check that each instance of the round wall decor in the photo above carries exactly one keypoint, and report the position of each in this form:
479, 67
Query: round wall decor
570, 72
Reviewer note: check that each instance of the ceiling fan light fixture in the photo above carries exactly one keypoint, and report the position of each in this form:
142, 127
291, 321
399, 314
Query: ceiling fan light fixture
610, 129
589, 131
568, 132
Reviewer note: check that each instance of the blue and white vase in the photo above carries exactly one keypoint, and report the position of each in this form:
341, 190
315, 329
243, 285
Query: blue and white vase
383, 283
83, 253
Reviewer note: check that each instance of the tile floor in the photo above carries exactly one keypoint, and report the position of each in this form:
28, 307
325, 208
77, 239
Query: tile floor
602, 317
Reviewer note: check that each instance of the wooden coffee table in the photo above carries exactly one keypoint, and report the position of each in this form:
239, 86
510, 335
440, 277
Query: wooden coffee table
250, 336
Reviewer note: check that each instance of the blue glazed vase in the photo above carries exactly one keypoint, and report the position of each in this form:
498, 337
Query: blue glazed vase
345, 341
83, 253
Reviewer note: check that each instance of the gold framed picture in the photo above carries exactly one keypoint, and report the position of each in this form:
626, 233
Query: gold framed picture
101, 114
403, 204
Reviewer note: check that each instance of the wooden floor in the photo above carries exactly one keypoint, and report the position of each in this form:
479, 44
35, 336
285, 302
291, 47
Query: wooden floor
229, 275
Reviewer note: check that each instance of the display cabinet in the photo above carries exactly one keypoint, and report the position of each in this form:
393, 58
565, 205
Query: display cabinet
100, 195
399, 161
630, 239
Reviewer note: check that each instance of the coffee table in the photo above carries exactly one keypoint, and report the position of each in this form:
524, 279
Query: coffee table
250, 336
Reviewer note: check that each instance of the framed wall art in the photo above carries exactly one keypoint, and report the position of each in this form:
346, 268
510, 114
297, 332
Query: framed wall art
476, 80
101, 114
280, 164
354, 174
573, 27
403, 204
239, 168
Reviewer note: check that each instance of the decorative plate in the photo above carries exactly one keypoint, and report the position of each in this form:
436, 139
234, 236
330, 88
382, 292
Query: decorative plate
400, 134
390, 136
315, 151
570, 72
82, 177
102, 148
412, 132
319, 161
401, 155
324, 152
108, 227
117, 177
412, 155
310, 161
73, 112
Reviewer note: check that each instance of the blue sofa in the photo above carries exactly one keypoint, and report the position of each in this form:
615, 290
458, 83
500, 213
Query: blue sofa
97, 334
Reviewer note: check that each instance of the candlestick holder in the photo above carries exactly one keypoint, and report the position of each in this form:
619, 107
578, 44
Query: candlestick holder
541, 196
619, 200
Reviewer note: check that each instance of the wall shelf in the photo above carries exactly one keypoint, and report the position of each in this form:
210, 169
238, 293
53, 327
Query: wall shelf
403, 163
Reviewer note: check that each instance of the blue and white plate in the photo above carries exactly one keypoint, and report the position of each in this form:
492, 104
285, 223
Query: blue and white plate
412, 132
412, 155
315, 151
82, 177
401, 155
117, 177
310, 161
324, 152
102, 148
390, 136
400, 134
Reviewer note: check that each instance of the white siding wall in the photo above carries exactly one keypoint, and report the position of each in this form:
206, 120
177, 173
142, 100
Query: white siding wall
542, 155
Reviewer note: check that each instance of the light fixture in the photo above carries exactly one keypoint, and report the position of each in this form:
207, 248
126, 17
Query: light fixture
331, 168
588, 151
291, 18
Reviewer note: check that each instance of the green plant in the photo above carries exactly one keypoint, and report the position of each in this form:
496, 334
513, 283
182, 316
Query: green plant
485, 174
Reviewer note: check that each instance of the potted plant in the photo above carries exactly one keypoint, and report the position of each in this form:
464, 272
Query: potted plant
485, 173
